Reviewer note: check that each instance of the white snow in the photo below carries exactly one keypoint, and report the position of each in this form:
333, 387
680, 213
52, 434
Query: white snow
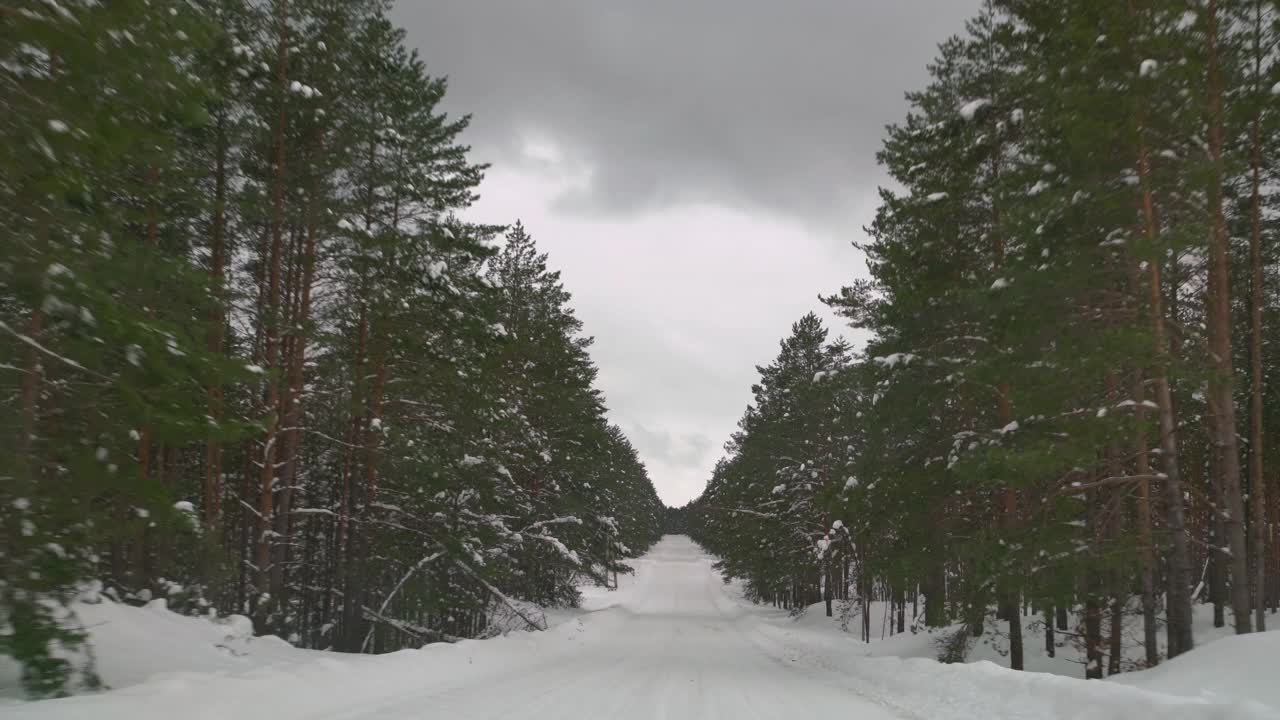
673, 642
1000, 284
1148, 68
1230, 668
57, 270
970, 109
894, 359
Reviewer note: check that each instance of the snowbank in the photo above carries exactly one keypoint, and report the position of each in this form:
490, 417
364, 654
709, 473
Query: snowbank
131, 644
673, 634
1225, 674
170, 661
1234, 667
163, 666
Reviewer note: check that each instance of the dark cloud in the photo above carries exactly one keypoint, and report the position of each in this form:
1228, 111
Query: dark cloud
758, 103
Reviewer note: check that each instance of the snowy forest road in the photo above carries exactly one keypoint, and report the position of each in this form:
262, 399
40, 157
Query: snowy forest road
675, 645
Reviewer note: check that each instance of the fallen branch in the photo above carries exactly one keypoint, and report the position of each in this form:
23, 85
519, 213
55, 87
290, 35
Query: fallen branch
416, 567
498, 594
1119, 480
417, 632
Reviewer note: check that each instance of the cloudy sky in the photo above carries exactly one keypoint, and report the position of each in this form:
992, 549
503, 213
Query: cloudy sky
697, 169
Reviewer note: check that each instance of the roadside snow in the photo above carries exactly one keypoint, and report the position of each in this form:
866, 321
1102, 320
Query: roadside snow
1225, 669
135, 644
673, 642
1231, 668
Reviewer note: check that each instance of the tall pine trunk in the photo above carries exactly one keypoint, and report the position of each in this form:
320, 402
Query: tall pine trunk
211, 490
1257, 478
1218, 320
1178, 593
272, 312
1148, 552
292, 405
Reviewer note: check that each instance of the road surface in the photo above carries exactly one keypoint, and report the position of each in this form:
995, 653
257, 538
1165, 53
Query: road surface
674, 645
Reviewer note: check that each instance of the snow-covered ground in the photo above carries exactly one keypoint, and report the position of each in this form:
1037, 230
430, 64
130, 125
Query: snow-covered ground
1067, 660
673, 642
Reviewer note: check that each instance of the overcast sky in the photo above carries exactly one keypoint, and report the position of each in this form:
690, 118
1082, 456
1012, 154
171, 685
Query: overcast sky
696, 168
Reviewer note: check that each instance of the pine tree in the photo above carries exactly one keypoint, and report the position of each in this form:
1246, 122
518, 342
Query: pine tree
259, 365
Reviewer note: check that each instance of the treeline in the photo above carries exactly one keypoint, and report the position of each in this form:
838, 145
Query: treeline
676, 521
252, 360
1071, 390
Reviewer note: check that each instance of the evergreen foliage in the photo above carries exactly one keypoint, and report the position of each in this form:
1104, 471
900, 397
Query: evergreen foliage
1079, 245
253, 362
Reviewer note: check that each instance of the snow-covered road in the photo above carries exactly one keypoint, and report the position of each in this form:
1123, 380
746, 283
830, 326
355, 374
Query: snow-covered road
674, 643
674, 646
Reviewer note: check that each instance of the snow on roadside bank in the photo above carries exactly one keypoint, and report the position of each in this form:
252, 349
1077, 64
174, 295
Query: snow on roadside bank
131, 644
164, 666
171, 661
1226, 677
1068, 659
1237, 666
674, 639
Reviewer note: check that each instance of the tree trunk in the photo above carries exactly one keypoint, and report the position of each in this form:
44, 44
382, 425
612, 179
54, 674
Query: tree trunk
1010, 609
1217, 563
1092, 636
1257, 481
1218, 321
211, 495
1178, 592
935, 596
1012, 598
292, 410
1117, 635
1148, 554
1050, 645
271, 316
827, 589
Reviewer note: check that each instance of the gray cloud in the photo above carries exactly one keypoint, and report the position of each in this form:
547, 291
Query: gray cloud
670, 447
756, 103
697, 168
